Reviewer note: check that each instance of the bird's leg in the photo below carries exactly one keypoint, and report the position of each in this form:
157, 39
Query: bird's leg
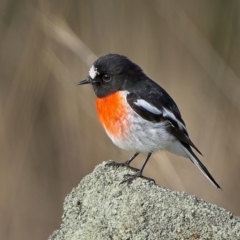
131, 177
125, 164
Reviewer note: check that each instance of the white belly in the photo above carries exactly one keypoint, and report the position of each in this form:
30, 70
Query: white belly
144, 136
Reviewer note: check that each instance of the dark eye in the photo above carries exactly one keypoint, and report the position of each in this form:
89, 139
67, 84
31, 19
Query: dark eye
106, 77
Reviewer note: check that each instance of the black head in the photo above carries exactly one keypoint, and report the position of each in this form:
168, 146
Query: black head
111, 73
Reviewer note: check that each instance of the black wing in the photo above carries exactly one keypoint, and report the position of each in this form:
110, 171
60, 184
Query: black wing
147, 110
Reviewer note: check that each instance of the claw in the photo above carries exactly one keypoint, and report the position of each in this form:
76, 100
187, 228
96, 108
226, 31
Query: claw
131, 177
124, 164
112, 164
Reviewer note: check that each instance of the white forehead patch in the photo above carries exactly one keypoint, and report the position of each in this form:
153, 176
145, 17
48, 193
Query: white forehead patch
93, 72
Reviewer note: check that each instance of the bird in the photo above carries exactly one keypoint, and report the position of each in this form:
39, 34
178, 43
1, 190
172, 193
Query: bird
138, 114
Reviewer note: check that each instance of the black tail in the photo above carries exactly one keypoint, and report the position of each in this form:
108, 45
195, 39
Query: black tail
200, 166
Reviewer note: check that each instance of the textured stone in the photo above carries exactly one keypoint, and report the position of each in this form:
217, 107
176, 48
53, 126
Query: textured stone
101, 208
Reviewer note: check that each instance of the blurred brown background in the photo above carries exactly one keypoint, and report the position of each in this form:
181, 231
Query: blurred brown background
49, 133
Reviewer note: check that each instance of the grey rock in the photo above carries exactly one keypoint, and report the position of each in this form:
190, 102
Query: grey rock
102, 208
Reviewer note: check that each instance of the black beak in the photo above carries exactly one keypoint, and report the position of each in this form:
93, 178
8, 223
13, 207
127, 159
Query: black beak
85, 81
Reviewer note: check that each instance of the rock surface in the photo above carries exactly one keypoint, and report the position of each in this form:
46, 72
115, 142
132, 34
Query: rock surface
101, 208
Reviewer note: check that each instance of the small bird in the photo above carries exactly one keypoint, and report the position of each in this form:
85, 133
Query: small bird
137, 114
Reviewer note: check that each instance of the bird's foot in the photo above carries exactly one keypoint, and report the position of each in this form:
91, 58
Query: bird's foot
130, 177
124, 164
